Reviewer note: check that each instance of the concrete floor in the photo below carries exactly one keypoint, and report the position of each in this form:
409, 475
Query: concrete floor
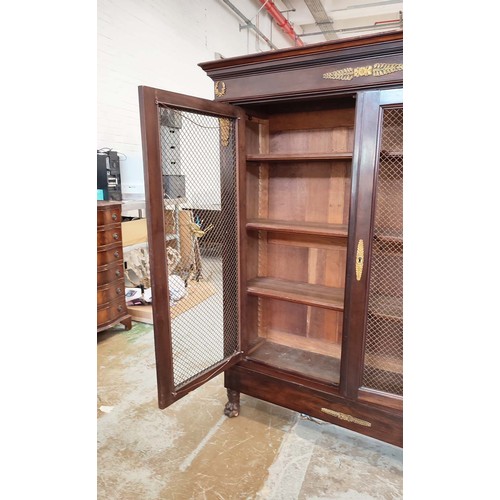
192, 451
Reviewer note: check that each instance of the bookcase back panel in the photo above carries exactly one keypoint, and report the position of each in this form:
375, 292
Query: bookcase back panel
309, 191
307, 259
323, 131
297, 338
299, 325
335, 140
311, 120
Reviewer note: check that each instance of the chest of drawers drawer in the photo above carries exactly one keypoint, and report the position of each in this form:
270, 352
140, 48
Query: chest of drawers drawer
108, 235
109, 255
109, 312
110, 291
109, 214
110, 272
111, 304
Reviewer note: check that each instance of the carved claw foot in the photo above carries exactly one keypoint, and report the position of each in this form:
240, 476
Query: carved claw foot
232, 408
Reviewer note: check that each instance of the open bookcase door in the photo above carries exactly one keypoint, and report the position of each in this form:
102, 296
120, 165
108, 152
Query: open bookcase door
191, 149
375, 262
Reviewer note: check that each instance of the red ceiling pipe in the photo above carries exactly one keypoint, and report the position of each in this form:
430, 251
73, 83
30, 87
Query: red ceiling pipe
282, 22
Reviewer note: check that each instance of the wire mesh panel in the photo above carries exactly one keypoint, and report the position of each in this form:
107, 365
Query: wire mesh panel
383, 369
198, 156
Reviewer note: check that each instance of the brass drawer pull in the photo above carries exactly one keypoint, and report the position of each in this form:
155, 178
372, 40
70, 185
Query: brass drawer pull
114, 216
360, 258
346, 417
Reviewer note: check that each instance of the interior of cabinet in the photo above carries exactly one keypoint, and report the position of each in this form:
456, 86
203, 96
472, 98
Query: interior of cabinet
298, 185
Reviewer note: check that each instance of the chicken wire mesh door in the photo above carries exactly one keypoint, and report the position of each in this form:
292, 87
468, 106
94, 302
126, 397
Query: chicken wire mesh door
383, 369
198, 171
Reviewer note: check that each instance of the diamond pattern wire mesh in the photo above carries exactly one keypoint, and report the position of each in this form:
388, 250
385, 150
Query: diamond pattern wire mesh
384, 333
198, 155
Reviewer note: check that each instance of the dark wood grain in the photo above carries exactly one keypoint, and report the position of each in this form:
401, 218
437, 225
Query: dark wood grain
301, 395
111, 306
308, 154
302, 293
276, 157
301, 361
313, 228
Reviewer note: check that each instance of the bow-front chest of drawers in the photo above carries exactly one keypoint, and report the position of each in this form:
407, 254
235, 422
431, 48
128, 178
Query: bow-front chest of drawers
111, 307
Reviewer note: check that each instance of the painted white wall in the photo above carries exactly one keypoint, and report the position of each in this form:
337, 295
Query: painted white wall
159, 43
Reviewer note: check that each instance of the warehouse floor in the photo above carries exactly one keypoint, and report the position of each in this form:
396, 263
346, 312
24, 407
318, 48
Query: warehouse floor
192, 451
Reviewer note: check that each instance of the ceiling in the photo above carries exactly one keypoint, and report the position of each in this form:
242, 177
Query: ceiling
319, 20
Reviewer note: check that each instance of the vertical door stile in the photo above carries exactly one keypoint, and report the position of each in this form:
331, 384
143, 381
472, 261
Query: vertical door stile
156, 237
364, 159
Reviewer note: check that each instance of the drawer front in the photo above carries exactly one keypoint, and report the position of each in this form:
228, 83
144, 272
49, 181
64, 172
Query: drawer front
109, 236
110, 255
109, 215
111, 311
108, 274
110, 292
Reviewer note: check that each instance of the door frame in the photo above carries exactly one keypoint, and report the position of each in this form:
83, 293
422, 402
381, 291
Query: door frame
150, 100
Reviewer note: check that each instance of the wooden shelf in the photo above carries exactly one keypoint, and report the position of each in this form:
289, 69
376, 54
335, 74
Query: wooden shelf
385, 363
389, 236
391, 154
301, 293
309, 344
280, 157
387, 307
313, 228
299, 361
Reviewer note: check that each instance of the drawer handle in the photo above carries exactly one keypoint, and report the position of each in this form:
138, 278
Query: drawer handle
120, 308
118, 273
115, 236
116, 254
118, 291
114, 216
346, 417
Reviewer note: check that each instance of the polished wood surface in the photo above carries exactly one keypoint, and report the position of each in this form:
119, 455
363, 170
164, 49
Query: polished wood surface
298, 157
111, 307
297, 392
312, 228
302, 293
274, 75
150, 101
308, 154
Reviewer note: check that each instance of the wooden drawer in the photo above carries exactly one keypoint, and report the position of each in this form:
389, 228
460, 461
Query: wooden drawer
109, 255
108, 273
109, 214
108, 235
109, 292
111, 311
